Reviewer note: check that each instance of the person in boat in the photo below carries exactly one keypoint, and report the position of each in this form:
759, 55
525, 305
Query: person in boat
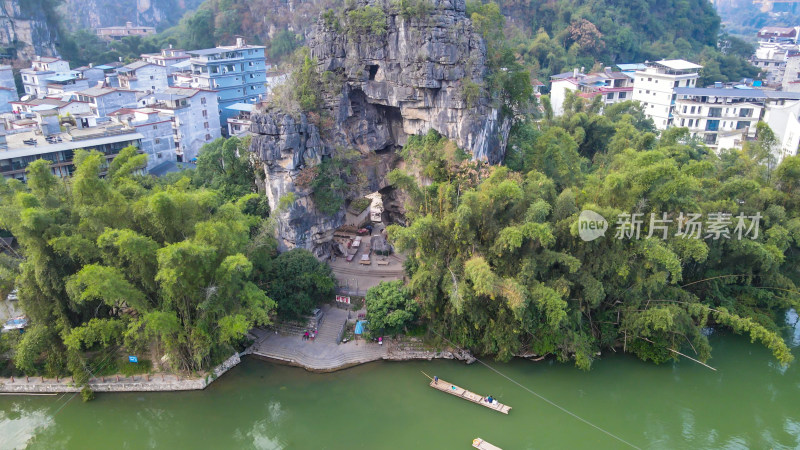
435, 379
490, 399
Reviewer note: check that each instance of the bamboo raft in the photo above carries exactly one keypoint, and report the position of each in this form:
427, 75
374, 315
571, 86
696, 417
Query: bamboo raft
480, 444
452, 389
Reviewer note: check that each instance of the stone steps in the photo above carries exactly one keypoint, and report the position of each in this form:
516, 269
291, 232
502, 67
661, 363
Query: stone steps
326, 363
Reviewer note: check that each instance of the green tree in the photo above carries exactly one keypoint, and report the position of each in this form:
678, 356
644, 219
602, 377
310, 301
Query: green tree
298, 282
389, 307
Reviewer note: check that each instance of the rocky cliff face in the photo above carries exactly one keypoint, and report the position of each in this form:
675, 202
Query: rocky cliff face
107, 13
25, 30
408, 80
418, 70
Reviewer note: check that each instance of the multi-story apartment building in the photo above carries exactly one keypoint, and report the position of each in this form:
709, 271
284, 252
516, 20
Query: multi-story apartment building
168, 58
143, 76
91, 74
195, 118
8, 90
129, 29
104, 100
775, 46
18, 149
654, 87
29, 107
239, 125
613, 87
35, 78
720, 117
237, 73
158, 141
65, 82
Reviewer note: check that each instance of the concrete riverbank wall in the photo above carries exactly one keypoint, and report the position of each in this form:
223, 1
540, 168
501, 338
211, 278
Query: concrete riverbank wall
113, 383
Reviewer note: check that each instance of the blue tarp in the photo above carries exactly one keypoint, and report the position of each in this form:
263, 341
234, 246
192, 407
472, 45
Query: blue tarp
360, 326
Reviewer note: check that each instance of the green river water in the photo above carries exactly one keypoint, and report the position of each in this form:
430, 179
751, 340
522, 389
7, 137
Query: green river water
749, 402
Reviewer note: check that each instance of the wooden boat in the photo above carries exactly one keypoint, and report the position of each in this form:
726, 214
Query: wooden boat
483, 445
452, 389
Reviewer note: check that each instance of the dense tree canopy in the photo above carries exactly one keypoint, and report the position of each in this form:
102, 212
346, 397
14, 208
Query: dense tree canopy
497, 263
110, 264
298, 282
389, 307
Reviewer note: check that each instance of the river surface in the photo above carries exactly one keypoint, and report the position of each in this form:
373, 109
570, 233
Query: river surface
750, 401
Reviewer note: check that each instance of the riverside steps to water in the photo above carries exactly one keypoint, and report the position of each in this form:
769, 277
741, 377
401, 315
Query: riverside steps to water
452, 389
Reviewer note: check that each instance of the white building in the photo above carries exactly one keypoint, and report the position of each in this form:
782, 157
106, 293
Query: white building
26, 109
654, 87
91, 74
8, 90
775, 46
35, 78
19, 148
158, 141
195, 118
65, 82
239, 125
613, 87
720, 117
143, 76
782, 114
104, 100
169, 58
275, 79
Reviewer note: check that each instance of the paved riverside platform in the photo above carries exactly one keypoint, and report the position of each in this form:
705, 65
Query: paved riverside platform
322, 354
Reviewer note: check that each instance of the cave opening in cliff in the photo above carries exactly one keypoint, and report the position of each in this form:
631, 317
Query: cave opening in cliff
390, 116
373, 71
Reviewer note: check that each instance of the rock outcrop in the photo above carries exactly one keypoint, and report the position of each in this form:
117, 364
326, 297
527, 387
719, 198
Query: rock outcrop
420, 67
25, 30
107, 13
411, 78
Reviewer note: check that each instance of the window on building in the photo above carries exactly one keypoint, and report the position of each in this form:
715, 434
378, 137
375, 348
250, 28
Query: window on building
155, 127
683, 122
712, 125
208, 137
609, 96
205, 113
742, 124
152, 77
205, 125
158, 141
650, 79
202, 100
692, 111
677, 83
622, 95
710, 139
691, 123
746, 112
647, 92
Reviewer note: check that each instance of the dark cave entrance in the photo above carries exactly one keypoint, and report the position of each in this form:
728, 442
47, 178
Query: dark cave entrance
373, 70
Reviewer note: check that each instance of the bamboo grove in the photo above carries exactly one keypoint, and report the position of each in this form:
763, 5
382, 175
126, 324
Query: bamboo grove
496, 263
